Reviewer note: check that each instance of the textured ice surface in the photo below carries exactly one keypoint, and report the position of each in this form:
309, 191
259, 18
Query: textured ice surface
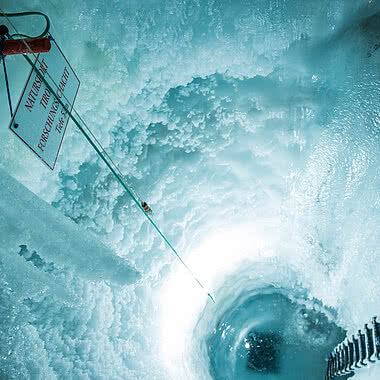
251, 128
31, 224
42, 254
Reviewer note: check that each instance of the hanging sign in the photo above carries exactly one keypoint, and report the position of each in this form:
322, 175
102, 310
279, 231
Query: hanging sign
39, 120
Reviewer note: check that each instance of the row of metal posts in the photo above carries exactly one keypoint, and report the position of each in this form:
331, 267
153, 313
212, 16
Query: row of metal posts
352, 354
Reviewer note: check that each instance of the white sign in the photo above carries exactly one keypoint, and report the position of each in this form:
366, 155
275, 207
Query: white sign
39, 120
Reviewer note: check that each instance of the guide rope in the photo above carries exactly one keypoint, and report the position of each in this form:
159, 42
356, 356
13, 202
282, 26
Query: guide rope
351, 355
96, 145
45, 32
6, 15
107, 155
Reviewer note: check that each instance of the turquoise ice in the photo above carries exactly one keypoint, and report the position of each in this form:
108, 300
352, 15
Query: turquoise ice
252, 130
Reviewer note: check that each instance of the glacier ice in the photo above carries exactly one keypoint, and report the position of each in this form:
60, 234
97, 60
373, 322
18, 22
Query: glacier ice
252, 129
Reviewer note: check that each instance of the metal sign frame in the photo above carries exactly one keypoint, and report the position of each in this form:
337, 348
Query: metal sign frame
43, 123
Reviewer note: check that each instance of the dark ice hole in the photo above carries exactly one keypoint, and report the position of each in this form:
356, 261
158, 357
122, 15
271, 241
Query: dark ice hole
263, 354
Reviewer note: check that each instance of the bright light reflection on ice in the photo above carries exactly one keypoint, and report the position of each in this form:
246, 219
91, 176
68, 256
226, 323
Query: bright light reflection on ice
182, 298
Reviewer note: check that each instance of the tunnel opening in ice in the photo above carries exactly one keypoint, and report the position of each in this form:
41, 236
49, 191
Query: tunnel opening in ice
269, 334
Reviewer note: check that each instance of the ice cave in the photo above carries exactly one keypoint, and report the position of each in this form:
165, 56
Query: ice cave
251, 128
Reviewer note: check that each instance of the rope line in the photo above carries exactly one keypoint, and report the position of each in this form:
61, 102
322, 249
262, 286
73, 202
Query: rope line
92, 140
7, 15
